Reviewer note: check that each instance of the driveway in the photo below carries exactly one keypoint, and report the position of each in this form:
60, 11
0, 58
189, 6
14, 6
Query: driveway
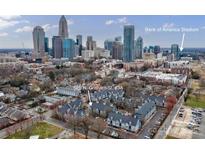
149, 124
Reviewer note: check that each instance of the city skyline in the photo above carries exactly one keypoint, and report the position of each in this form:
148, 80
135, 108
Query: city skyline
16, 31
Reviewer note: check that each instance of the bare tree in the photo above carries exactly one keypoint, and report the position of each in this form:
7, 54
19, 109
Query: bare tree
73, 122
85, 124
99, 125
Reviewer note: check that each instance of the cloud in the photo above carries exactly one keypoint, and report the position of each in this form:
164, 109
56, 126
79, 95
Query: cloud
168, 25
70, 22
10, 17
7, 22
122, 20
24, 29
3, 34
109, 22
47, 27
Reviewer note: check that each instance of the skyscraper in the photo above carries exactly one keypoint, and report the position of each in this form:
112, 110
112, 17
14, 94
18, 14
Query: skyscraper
79, 42
118, 39
63, 28
175, 51
117, 49
139, 48
128, 51
57, 46
90, 44
156, 49
38, 42
108, 45
68, 48
46, 41
94, 45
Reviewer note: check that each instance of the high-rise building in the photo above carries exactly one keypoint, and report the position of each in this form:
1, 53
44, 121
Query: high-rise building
57, 47
76, 50
38, 42
79, 42
108, 45
156, 49
88, 54
68, 48
139, 48
128, 51
118, 39
94, 45
146, 49
117, 49
151, 49
90, 44
63, 28
46, 41
175, 51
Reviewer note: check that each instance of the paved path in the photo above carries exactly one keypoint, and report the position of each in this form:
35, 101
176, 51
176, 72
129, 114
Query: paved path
149, 125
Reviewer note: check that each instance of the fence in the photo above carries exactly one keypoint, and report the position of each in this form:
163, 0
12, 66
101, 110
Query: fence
20, 126
164, 129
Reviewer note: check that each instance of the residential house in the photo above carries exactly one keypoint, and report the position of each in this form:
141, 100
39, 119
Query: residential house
73, 108
101, 109
119, 120
107, 93
68, 91
12, 113
146, 110
158, 100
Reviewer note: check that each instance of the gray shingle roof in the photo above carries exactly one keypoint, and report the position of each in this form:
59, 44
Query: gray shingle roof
146, 107
73, 108
107, 93
116, 116
101, 107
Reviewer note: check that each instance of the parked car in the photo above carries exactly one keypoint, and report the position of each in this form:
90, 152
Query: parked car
181, 115
196, 130
146, 137
190, 126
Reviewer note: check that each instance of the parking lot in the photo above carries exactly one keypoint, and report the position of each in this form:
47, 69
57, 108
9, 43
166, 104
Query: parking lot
189, 123
201, 133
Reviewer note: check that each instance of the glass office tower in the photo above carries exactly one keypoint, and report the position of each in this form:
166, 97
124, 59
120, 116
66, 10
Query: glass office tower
68, 48
128, 51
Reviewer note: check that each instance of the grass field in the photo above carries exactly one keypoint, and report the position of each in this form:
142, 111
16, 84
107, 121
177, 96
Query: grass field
195, 102
195, 84
43, 129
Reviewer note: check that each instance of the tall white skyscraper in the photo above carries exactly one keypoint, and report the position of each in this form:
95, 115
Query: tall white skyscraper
63, 28
38, 42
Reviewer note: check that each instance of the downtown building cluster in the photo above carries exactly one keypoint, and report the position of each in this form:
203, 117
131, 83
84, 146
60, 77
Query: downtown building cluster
128, 50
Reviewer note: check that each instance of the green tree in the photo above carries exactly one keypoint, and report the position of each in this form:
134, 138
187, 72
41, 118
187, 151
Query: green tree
51, 76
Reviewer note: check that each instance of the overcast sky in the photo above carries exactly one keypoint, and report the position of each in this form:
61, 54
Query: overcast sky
16, 31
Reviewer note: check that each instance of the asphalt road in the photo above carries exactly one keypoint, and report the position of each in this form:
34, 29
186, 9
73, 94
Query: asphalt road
149, 124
